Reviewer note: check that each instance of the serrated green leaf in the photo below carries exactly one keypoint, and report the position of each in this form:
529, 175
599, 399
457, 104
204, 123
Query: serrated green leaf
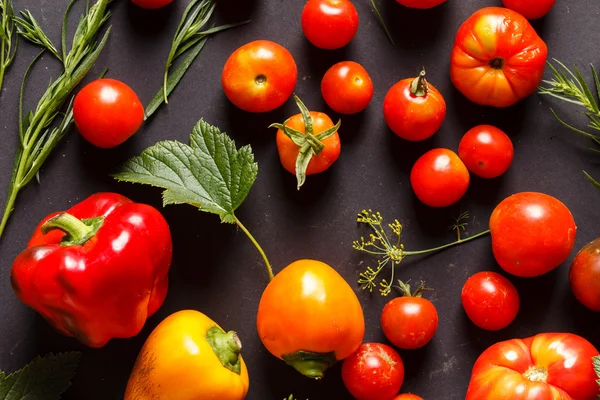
45, 378
210, 173
596, 361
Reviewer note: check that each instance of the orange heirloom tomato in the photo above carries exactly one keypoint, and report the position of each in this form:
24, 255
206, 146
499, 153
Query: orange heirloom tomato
189, 357
310, 317
497, 58
259, 76
548, 366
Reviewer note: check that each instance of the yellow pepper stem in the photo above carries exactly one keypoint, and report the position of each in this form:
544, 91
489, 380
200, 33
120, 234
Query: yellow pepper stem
227, 347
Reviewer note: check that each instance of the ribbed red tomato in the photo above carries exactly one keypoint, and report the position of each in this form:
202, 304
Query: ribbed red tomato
532, 233
530, 9
498, 58
151, 4
107, 112
347, 87
374, 372
490, 300
548, 366
439, 178
585, 275
486, 151
329, 24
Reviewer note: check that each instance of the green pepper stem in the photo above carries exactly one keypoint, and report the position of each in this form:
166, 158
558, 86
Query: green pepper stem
77, 231
227, 347
260, 250
312, 365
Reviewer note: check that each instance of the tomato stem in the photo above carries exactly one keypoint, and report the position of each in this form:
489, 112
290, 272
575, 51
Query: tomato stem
414, 253
418, 86
260, 250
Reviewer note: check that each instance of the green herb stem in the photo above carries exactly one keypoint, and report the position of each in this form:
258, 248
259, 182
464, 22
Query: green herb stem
258, 247
382, 22
415, 253
8, 45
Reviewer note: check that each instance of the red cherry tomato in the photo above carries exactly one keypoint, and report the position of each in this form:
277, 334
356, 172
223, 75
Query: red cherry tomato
347, 88
329, 24
532, 233
585, 276
486, 151
409, 322
107, 112
530, 9
439, 178
259, 76
421, 4
414, 109
408, 396
374, 372
490, 300
151, 4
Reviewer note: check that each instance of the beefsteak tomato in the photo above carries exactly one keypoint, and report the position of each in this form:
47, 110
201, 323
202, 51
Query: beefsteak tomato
548, 366
497, 58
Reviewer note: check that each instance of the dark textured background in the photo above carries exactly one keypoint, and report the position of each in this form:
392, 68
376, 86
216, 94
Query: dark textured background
217, 270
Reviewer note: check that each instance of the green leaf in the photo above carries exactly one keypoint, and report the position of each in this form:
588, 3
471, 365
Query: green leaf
30, 29
210, 173
596, 361
45, 378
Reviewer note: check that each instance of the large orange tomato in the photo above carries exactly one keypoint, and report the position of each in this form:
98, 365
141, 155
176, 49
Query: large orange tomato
548, 366
497, 58
310, 317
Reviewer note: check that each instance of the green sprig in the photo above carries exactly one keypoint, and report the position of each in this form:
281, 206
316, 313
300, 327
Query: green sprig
596, 363
31, 30
37, 137
387, 251
571, 87
8, 39
189, 39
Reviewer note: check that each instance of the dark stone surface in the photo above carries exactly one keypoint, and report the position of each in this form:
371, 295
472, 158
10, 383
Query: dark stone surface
217, 270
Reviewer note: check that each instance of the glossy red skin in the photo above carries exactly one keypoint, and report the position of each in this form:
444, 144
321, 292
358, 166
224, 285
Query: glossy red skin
412, 117
151, 4
500, 372
109, 286
347, 88
532, 233
486, 151
439, 178
584, 276
107, 112
246, 64
421, 4
408, 396
329, 24
530, 9
492, 33
409, 322
374, 372
490, 300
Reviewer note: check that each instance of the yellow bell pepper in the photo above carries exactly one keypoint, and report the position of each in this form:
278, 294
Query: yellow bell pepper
189, 357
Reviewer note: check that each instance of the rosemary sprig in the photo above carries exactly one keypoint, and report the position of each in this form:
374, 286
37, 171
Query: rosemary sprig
29, 28
9, 41
571, 87
37, 138
189, 39
390, 252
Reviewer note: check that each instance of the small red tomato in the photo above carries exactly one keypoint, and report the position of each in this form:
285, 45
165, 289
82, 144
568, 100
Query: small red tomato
329, 24
408, 396
259, 76
532, 233
421, 4
374, 372
486, 151
530, 9
414, 109
347, 88
107, 112
439, 178
151, 4
585, 276
409, 322
490, 300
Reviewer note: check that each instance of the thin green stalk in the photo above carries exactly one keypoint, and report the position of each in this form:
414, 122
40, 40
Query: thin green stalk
382, 22
415, 253
9, 40
260, 250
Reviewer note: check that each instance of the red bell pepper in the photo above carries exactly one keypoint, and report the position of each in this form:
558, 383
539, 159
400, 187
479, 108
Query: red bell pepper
97, 271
